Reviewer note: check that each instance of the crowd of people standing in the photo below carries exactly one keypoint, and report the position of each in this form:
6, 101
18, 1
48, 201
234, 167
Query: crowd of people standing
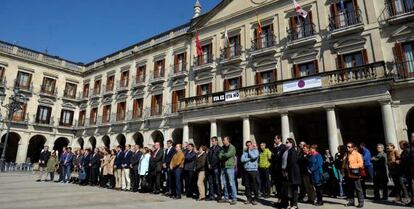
293, 172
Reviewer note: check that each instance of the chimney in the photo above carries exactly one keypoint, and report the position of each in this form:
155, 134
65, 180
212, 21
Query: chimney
197, 9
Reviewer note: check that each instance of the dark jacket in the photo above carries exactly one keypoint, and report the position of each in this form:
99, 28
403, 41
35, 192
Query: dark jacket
43, 158
201, 162
85, 160
292, 168
135, 160
380, 167
315, 168
127, 159
68, 159
168, 156
119, 158
190, 161
277, 160
213, 160
156, 161
95, 160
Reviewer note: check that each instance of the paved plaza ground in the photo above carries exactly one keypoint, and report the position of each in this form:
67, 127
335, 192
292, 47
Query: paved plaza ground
20, 191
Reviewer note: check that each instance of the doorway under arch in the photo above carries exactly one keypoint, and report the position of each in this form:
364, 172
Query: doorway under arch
12, 146
59, 144
138, 139
177, 136
92, 140
36, 144
121, 140
157, 136
106, 141
81, 142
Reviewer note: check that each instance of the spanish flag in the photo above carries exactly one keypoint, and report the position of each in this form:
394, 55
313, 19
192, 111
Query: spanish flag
259, 26
198, 45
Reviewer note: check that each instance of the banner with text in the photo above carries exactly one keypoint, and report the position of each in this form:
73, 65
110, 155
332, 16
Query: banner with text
305, 83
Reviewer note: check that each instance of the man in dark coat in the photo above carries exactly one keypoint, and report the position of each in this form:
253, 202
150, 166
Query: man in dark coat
278, 150
213, 172
86, 159
134, 166
156, 167
380, 173
43, 158
169, 176
189, 170
94, 164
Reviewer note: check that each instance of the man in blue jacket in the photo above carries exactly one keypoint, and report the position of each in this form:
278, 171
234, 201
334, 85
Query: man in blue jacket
249, 159
119, 158
126, 163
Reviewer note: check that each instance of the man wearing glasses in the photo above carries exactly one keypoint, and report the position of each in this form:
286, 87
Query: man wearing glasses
352, 166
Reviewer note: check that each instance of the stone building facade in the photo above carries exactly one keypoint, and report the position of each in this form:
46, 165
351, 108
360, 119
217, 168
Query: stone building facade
342, 73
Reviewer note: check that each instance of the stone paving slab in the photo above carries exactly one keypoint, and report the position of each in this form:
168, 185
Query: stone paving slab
20, 191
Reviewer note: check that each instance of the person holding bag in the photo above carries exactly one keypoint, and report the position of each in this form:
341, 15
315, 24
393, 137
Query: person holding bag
353, 164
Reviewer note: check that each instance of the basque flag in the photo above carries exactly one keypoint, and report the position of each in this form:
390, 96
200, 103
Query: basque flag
299, 9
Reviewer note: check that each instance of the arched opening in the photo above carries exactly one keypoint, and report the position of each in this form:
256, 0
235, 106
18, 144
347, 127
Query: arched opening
92, 140
59, 144
12, 146
410, 122
106, 141
138, 139
177, 136
121, 140
81, 142
157, 136
36, 145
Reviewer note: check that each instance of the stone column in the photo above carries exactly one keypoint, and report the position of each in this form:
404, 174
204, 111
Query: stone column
332, 130
186, 132
213, 129
285, 126
22, 151
388, 123
246, 129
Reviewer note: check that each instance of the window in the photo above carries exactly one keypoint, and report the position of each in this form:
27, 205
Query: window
86, 90
265, 39
180, 62
232, 84
20, 115
97, 87
82, 114
2, 69
24, 80
124, 78
120, 113
48, 86
204, 89
43, 114
141, 74
265, 77
93, 116
300, 27
344, 14
207, 55
110, 83
398, 7
70, 90
306, 69
156, 105
232, 48
351, 60
404, 58
106, 115
137, 108
66, 118
159, 67
176, 97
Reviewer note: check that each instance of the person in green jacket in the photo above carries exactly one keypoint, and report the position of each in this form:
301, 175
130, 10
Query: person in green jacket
265, 158
227, 156
52, 163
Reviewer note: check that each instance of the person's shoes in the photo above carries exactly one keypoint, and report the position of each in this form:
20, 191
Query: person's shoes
318, 204
210, 199
349, 204
360, 205
233, 202
254, 202
247, 202
222, 201
38, 180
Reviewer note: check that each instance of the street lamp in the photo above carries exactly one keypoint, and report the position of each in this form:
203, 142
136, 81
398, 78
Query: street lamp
16, 103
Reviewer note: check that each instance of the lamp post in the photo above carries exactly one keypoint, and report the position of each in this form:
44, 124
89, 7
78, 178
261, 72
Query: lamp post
15, 104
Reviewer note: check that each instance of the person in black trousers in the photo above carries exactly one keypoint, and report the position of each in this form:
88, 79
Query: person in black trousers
85, 166
94, 165
134, 168
276, 166
169, 175
189, 170
291, 175
156, 167
213, 170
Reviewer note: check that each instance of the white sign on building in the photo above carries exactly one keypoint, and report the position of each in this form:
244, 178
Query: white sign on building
232, 96
305, 83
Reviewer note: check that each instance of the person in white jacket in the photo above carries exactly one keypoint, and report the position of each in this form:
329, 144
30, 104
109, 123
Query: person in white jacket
144, 164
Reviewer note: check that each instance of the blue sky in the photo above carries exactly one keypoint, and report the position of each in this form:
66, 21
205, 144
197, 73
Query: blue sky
84, 30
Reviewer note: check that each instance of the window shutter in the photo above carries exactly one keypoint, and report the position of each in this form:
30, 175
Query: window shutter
399, 53
310, 17
152, 104
365, 56
334, 14
355, 2
210, 88
316, 66
198, 90
340, 62
257, 78
163, 68
240, 82
296, 70
274, 75
226, 84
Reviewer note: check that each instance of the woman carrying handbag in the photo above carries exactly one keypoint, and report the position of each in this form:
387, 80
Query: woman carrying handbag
352, 167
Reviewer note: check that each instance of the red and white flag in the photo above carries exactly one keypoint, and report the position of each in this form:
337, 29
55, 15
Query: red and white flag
299, 9
198, 46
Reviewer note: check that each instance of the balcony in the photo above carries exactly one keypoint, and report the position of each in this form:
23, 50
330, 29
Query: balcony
122, 85
69, 96
118, 118
92, 122
346, 23
66, 126
301, 35
349, 76
24, 88
21, 119
172, 109
231, 54
178, 70
43, 123
83, 97
157, 77
203, 63
96, 94
3, 82
139, 82
263, 45
108, 90
105, 120
404, 70
47, 91
137, 116
80, 123
398, 11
